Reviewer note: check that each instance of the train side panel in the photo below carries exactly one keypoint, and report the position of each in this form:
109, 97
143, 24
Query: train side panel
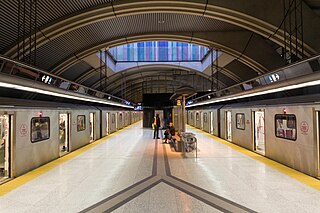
120, 118
113, 117
223, 123
301, 153
242, 136
197, 119
79, 137
28, 155
206, 120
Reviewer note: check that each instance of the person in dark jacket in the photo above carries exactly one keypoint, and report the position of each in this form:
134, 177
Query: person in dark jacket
171, 131
156, 123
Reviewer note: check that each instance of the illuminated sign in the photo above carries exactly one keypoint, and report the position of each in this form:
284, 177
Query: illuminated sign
46, 79
274, 78
139, 107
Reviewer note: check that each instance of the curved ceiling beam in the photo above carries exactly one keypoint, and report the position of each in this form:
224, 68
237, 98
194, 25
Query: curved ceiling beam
153, 68
143, 68
155, 75
139, 71
232, 43
159, 74
161, 85
251, 16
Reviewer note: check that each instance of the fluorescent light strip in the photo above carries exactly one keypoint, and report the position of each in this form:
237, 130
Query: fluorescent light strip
297, 86
30, 89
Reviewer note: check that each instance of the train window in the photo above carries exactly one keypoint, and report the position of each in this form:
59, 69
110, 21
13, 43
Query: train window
197, 116
240, 119
40, 129
81, 122
285, 126
205, 117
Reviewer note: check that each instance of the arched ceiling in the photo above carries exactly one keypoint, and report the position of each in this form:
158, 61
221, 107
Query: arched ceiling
69, 33
157, 79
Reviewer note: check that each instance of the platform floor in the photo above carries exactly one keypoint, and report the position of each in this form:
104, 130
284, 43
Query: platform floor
131, 172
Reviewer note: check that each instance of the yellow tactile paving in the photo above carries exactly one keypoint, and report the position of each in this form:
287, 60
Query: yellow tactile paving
301, 177
16, 182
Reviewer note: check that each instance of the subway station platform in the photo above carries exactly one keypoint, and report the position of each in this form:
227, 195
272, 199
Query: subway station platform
131, 172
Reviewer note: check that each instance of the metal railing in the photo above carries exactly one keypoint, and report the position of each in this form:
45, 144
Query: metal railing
18, 69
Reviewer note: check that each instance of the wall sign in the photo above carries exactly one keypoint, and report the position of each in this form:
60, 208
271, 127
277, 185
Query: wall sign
304, 127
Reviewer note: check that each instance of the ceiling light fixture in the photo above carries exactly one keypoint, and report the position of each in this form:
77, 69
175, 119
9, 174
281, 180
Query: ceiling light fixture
161, 22
40, 91
290, 87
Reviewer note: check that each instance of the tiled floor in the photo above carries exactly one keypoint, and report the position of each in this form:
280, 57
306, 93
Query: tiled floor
164, 198
127, 160
237, 177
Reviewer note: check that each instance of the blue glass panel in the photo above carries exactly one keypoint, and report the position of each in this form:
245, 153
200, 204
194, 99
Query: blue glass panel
159, 51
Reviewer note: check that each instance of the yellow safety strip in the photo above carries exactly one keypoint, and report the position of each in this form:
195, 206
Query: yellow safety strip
16, 182
301, 177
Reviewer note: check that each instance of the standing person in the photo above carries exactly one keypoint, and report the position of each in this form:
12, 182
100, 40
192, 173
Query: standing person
156, 123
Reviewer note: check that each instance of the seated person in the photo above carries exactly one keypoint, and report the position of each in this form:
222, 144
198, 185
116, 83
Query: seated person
166, 135
171, 131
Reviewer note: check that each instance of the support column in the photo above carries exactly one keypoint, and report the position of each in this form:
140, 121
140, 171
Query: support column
183, 104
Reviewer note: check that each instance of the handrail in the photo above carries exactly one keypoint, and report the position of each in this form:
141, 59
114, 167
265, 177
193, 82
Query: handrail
61, 79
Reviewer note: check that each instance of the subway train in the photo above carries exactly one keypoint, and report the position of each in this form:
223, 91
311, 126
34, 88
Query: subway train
285, 130
34, 133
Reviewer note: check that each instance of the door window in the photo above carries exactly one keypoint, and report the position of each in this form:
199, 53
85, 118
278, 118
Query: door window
4, 146
40, 129
229, 124
63, 133
211, 123
285, 126
91, 127
259, 132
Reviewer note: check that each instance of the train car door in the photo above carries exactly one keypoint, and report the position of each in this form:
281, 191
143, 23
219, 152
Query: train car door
201, 120
211, 123
107, 123
117, 117
64, 133
228, 126
5, 145
318, 140
92, 117
259, 136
